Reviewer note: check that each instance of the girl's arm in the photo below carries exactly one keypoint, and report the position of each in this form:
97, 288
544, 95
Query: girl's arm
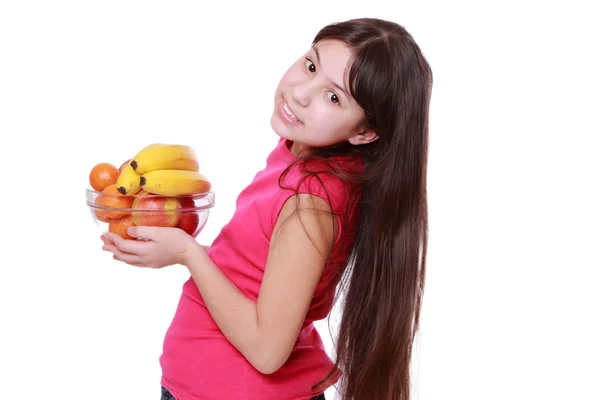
265, 332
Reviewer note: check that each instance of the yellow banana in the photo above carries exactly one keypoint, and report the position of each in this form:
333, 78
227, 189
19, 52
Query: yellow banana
173, 182
151, 146
128, 181
171, 156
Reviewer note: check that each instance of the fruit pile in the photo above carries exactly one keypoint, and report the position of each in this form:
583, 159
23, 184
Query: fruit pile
157, 181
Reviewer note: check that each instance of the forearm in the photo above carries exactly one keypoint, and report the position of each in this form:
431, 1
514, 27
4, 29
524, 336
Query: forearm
234, 313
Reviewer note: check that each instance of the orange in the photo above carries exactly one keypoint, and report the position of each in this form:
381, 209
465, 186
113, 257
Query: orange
102, 175
101, 214
111, 197
120, 225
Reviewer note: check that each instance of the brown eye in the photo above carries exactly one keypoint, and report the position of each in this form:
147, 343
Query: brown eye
333, 97
310, 66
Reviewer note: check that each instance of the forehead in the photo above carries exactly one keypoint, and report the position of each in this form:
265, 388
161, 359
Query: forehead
334, 56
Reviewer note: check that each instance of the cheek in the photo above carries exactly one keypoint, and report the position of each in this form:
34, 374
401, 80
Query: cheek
291, 78
331, 124
323, 115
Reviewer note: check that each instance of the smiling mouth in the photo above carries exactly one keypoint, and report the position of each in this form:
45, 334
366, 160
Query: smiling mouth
289, 112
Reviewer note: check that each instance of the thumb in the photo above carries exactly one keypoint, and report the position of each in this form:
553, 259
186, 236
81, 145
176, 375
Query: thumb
142, 232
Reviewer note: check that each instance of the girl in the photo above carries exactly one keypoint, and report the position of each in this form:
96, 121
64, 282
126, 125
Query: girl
339, 208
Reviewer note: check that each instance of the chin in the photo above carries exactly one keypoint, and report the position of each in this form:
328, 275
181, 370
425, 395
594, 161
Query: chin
279, 127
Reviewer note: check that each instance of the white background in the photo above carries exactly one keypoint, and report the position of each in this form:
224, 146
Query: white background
511, 304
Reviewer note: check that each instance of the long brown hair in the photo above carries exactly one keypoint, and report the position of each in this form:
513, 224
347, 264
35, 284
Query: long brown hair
384, 280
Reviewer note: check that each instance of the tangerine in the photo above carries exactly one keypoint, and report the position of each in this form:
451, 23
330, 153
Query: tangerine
112, 198
102, 175
119, 226
101, 214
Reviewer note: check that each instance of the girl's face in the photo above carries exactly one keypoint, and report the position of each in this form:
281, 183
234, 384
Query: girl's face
313, 106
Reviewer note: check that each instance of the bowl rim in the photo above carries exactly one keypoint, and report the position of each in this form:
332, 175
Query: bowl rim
209, 195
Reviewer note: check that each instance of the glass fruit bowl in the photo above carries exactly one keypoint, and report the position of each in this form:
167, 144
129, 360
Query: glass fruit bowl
114, 212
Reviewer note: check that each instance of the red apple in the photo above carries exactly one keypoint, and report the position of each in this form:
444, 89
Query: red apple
166, 210
189, 219
124, 165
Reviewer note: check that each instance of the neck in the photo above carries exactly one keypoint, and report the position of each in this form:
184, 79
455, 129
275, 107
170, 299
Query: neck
298, 149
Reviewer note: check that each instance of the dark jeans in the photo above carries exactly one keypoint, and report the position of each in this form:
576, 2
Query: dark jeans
165, 395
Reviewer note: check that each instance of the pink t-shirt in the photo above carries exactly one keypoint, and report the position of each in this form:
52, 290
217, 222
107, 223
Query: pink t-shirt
198, 362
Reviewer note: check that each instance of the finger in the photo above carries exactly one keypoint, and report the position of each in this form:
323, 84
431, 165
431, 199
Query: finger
140, 265
128, 246
112, 237
139, 247
128, 258
116, 251
143, 232
110, 247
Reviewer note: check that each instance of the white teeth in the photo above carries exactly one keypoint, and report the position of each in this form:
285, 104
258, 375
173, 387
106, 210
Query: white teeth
289, 112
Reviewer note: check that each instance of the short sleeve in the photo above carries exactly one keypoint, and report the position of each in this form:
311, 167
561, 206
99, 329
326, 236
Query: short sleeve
320, 182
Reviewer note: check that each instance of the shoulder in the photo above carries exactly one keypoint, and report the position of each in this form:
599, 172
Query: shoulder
319, 184
304, 215
333, 179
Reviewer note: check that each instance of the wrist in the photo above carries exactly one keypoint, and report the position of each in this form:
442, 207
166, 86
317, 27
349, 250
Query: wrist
192, 252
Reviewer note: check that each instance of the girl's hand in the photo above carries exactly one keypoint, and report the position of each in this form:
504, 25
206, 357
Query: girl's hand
157, 247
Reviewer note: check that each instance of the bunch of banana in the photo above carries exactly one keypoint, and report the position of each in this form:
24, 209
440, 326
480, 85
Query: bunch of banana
129, 179
163, 169
165, 156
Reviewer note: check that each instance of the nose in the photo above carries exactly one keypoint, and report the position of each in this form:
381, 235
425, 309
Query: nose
302, 92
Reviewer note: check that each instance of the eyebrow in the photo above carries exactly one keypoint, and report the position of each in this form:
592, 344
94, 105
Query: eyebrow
334, 84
